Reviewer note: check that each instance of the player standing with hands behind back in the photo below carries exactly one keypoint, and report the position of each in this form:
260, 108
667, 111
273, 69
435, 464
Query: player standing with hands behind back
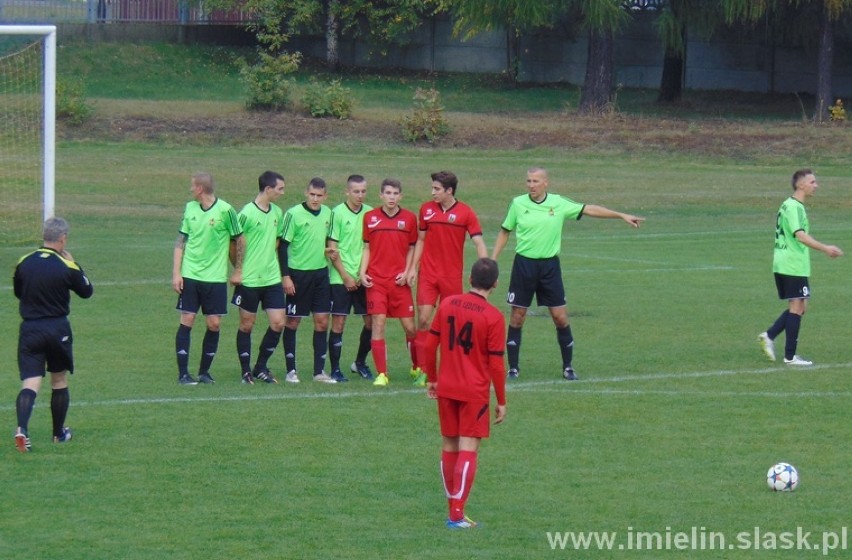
791, 264
470, 332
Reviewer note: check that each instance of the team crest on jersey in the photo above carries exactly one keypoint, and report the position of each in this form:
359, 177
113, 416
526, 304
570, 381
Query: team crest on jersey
551, 211
212, 222
451, 218
400, 224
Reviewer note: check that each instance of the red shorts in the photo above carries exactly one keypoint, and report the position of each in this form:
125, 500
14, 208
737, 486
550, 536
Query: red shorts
386, 298
462, 418
430, 288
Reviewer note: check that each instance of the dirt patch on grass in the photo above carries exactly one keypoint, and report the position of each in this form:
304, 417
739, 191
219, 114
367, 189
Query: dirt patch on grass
620, 133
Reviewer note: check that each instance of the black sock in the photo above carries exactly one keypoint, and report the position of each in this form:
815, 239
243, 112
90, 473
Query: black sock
24, 407
59, 401
566, 345
335, 346
513, 347
208, 348
244, 350
267, 348
182, 340
290, 348
778, 326
320, 350
792, 327
364, 345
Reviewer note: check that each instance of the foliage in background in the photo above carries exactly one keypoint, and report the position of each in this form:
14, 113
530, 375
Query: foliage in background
71, 105
328, 100
269, 82
427, 122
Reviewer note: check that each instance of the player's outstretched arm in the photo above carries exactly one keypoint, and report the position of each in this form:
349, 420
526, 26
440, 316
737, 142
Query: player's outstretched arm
832, 251
595, 211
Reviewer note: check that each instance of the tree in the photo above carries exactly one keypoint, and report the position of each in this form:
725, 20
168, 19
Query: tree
379, 22
602, 18
826, 14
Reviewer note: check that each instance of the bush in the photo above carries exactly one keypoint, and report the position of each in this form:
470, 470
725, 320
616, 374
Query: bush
267, 82
427, 122
332, 100
71, 105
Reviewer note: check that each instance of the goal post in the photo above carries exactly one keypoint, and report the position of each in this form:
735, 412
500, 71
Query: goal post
19, 101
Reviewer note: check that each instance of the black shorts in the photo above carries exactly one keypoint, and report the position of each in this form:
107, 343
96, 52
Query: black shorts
210, 297
344, 302
792, 287
268, 297
313, 293
45, 345
539, 277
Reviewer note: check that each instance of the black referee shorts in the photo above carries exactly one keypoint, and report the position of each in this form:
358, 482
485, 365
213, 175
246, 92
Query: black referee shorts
541, 278
45, 345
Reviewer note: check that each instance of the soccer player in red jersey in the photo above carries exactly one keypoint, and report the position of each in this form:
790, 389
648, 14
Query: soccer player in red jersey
390, 233
439, 253
471, 334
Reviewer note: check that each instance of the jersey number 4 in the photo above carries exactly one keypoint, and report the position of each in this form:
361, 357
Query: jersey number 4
464, 337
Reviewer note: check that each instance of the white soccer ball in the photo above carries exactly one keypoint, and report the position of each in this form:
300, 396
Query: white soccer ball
782, 477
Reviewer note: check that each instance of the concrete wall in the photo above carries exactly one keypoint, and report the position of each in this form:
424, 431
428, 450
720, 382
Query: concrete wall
739, 59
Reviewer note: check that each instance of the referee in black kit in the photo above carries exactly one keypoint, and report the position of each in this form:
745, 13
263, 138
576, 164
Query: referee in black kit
43, 283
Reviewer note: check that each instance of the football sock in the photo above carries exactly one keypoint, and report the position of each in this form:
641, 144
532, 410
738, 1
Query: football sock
566, 345
364, 345
463, 476
59, 401
267, 348
792, 327
448, 467
778, 326
24, 407
380, 357
411, 343
513, 347
320, 350
335, 346
208, 348
420, 342
290, 348
182, 340
244, 350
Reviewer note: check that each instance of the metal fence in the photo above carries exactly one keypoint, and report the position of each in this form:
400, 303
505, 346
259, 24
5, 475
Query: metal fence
184, 12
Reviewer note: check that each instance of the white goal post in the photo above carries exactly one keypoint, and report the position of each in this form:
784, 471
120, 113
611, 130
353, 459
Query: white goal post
48, 32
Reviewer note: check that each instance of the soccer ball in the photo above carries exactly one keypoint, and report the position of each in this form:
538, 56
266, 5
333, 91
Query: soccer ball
782, 477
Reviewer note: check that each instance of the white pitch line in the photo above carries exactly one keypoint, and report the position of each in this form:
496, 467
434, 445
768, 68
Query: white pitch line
513, 386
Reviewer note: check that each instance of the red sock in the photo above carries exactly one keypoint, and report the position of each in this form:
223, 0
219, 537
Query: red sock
420, 342
412, 350
380, 356
448, 467
463, 477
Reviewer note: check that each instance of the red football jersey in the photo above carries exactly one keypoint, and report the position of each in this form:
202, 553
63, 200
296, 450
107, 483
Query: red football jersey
389, 237
443, 246
472, 335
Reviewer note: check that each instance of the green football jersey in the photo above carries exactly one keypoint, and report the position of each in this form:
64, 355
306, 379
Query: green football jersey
306, 232
791, 256
347, 230
261, 230
209, 233
538, 225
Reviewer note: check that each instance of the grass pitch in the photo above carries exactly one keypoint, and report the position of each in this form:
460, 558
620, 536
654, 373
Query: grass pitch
671, 428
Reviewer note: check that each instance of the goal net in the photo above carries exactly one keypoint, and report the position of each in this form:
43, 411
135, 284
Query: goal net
27, 133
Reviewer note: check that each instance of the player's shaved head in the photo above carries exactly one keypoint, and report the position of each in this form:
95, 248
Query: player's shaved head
799, 175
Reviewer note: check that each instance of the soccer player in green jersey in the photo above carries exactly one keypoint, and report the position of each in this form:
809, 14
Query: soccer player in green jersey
305, 272
791, 263
346, 245
263, 225
537, 219
200, 271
